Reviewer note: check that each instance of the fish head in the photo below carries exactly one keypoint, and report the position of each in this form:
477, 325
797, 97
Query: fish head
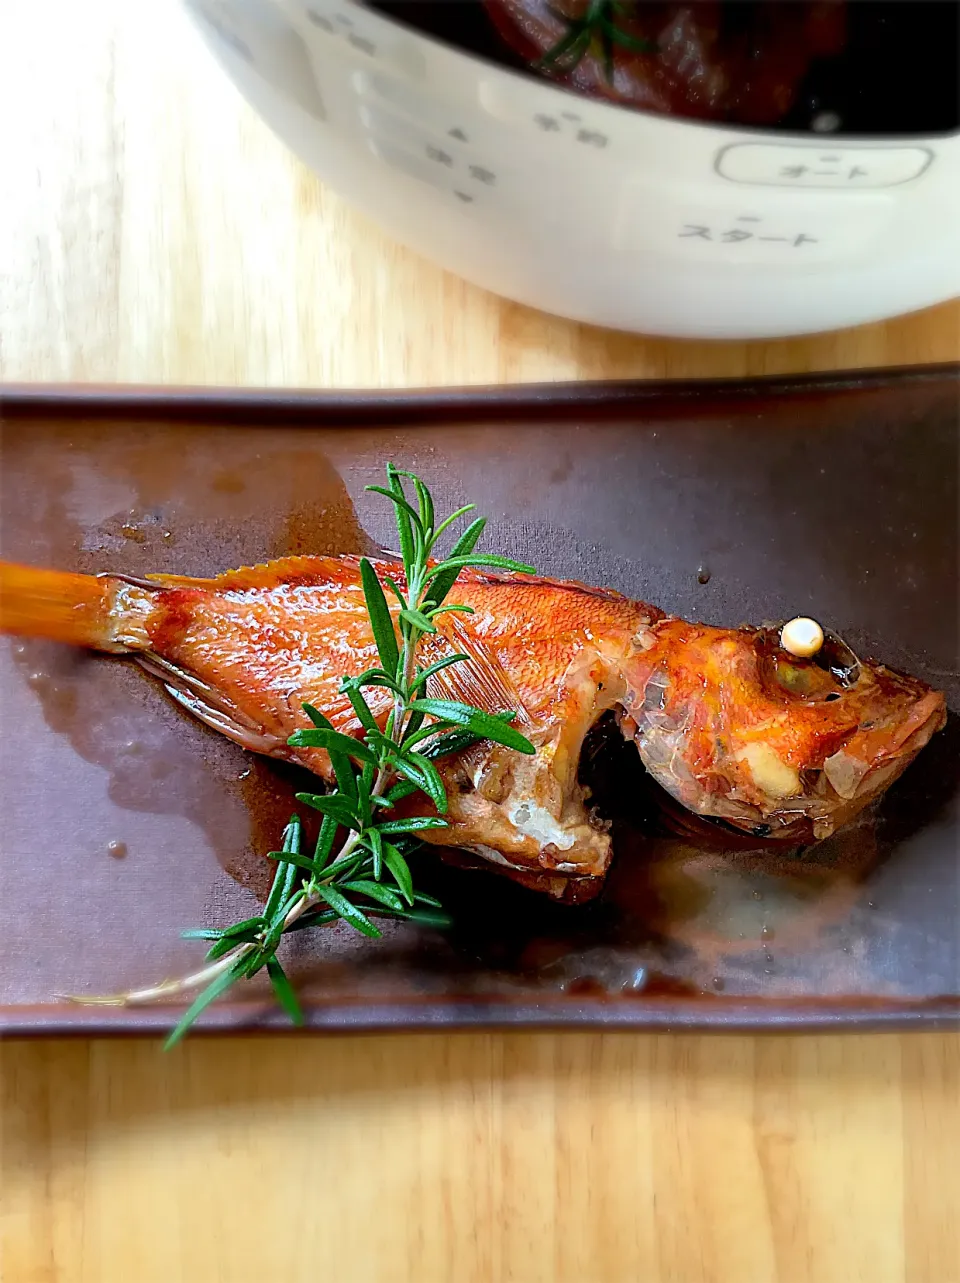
737, 729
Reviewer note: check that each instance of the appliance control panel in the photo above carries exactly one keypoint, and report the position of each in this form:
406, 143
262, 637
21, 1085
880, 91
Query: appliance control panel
447, 152
567, 203
477, 133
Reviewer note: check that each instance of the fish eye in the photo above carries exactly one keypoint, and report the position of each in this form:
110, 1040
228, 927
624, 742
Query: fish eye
821, 677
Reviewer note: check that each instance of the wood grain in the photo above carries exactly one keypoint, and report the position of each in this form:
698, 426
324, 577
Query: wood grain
151, 229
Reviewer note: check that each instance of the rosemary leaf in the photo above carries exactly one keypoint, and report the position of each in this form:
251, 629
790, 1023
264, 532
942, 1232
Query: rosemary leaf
315, 918
400, 870
404, 509
286, 873
414, 824
348, 911
220, 947
495, 563
455, 516
382, 894
424, 499
342, 768
214, 989
459, 608
325, 839
284, 991
417, 619
406, 788
360, 706
374, 837
380, 621
301, 861
321, 738
377, 677
249, 924
486, 725
450, 742
333, 804
421, 772
365, 784
443, 582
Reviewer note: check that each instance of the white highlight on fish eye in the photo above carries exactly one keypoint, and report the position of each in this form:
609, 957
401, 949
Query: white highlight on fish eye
801, 637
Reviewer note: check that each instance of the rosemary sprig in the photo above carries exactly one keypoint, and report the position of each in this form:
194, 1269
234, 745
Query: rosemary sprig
597, 31
364, 874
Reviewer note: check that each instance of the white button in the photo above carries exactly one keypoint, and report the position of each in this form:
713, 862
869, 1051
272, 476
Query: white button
394, 93
555, 116
437, 116
845, 168
442, 152
386, 124
361, 33
257, 33
420, 166
411, 162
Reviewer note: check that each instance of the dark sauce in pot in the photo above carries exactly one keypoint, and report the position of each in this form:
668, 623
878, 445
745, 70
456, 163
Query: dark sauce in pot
833, 67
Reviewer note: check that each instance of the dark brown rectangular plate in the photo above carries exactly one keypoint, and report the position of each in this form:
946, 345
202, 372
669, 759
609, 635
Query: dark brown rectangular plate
834, 496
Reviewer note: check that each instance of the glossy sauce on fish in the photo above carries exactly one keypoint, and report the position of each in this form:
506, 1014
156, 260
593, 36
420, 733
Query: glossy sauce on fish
734, 729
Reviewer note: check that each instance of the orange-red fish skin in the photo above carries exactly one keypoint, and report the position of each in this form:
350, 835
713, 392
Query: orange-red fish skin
724, 720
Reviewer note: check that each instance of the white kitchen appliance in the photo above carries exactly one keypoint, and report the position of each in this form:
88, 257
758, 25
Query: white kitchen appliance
588, 209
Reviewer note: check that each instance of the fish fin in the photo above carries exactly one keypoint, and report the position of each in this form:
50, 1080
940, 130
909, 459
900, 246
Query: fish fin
267, 574
485, 575
212, 707
480, 680
62, 606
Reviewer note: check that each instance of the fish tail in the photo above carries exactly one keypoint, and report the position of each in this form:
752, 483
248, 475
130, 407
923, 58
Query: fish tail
64, 607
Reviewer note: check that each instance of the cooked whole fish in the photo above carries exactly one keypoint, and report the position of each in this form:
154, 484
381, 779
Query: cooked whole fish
730, 724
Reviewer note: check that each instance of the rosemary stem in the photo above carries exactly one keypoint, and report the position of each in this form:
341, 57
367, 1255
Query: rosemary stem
166, 988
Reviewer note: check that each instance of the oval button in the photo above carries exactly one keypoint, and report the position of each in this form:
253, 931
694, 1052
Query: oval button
841, 168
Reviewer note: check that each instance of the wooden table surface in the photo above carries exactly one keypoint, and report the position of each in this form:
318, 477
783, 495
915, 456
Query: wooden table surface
152, 230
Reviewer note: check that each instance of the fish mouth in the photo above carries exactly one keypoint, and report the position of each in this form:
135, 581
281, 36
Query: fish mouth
653, 791
829, 796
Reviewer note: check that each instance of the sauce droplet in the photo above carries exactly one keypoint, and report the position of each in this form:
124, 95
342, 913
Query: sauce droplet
767, 933
703, 574
717, 982
117, 849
